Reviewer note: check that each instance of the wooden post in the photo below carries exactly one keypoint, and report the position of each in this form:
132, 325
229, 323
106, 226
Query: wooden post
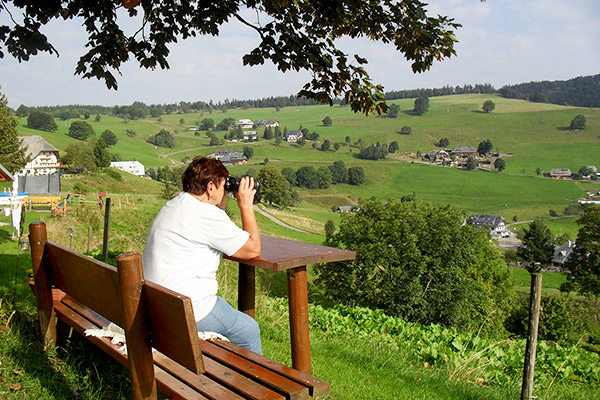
43, 285
139, 348
532, 336
246, 289
298, 304
106, 228
89, 239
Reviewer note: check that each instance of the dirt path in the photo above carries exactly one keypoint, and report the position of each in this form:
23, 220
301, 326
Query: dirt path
277, 221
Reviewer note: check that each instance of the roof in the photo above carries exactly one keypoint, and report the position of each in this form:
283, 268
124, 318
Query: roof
465, 149
561, 172
5, 176
35, 145
125, 163
486, 220
561, 253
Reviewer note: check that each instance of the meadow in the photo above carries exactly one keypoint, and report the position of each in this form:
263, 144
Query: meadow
528, 135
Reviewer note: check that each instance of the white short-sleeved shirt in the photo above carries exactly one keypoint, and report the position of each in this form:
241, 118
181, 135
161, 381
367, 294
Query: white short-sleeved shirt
184, 248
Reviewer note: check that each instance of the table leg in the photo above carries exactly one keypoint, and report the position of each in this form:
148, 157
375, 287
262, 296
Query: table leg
298, 303
246, 289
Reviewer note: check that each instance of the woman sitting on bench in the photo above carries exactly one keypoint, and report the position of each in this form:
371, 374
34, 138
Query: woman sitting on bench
187, 240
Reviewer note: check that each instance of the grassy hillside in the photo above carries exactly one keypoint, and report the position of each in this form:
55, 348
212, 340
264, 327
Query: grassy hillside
530, 135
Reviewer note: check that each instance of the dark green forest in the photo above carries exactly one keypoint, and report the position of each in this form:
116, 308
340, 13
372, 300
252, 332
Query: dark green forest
583, 91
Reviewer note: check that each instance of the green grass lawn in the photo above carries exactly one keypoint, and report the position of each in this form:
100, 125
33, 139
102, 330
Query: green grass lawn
532, 134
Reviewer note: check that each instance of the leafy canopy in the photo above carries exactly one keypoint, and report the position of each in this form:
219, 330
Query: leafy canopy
12, 155
418, 261
297, 35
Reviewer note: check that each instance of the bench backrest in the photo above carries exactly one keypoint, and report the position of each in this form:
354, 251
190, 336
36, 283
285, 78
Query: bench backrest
151, 315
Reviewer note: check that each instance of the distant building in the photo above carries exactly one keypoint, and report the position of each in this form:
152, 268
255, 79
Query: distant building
229, 157
245, 123
438, 155
465, 151
560, 173
348, 209
44, 156
293, 136
260, 122
133, 167
272, 123
495, 223
562, 253
250, 135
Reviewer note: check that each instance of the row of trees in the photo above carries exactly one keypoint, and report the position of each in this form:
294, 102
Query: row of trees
323, 177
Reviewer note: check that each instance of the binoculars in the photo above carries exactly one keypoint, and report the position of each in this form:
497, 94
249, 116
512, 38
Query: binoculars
232, 184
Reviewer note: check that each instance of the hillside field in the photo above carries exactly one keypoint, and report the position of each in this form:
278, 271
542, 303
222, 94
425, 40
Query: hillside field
528, 135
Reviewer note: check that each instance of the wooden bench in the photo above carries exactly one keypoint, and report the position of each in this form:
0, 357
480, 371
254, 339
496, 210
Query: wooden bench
78, 292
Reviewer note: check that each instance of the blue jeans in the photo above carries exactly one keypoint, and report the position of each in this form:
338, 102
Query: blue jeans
236, 326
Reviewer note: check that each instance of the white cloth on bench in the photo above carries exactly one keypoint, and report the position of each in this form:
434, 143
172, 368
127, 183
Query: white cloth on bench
117, 335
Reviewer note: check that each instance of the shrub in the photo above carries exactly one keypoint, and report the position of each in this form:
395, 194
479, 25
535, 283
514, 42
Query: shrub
418, 261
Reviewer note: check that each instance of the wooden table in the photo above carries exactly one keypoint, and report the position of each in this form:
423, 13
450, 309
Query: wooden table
288, 255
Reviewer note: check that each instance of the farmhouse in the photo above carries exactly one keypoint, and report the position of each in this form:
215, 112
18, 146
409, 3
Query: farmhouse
245, 123
348, 208
272, 123
495, 223
250, 135
465, 151
293, 136
438, 155
133, 167
260, 122
562, 253
560, 173
229, 157
43, 156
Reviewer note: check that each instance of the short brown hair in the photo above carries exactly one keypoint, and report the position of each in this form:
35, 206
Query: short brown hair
201, 172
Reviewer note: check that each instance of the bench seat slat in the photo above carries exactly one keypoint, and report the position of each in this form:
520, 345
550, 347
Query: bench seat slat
291, 389
201, 383
238, 382
315, 386
173, 388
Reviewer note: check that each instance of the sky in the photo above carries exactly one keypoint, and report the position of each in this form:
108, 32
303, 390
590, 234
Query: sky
501, 42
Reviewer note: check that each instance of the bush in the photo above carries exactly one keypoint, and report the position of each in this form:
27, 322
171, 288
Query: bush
418, 261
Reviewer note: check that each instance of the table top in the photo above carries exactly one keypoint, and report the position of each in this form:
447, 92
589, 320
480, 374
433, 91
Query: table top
279, 254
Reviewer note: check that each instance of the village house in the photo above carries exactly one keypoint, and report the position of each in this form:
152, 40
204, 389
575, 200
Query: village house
293, 136
229, 157
495, 223
133, 167
562, 253
250, 135
245, 123
272, 123
348, 208
438, 155
465, 151
260, 122
43, 156
560, 173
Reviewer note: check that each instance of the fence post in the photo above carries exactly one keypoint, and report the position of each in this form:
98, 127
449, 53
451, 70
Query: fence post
532, 336
106, 227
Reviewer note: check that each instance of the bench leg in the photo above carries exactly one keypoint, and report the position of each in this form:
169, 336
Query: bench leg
298, 303
246, 289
